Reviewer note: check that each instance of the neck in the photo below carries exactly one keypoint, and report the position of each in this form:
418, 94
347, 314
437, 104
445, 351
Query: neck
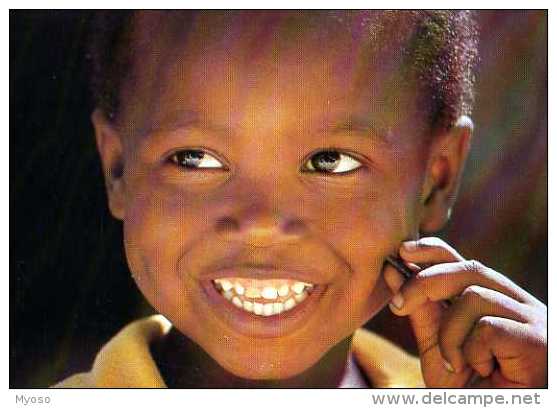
184, 364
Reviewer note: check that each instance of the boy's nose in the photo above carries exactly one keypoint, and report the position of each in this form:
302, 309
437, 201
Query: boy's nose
260, 227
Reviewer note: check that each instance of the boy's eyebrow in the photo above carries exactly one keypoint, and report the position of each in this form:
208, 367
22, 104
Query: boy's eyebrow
361, 126
354, 125
184, 119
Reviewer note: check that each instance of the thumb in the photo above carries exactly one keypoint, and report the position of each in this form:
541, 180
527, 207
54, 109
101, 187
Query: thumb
425, 323
425, 320
437, 372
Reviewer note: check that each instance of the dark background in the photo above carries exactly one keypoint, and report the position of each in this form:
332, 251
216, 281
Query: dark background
70, 288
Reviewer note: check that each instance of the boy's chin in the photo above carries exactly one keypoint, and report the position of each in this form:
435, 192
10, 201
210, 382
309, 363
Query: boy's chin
267, 364
265, 372
269, 370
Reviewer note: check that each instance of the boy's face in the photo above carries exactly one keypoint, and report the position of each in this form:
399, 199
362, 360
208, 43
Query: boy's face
262, 106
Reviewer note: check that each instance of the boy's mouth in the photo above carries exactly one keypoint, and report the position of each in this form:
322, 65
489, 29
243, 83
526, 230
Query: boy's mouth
265, 301
263, 297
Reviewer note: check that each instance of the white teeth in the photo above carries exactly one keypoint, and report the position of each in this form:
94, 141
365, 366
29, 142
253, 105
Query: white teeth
237, 293
252, 293
283, 290
298, 287
258, 308
268, 309
248, 306
269, 292
239, 288
299, 298
289, 304
277, 308
237, 302
226, 284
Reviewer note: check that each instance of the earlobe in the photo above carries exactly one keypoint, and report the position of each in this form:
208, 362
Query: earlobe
109, 146
446, 163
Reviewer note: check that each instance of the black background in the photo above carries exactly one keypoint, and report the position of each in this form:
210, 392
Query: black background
69, 285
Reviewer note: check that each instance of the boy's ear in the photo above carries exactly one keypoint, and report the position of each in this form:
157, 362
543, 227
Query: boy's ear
109, 145
446, 163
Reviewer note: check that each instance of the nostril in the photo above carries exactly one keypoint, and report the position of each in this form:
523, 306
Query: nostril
260, 231
227, 225
294, 227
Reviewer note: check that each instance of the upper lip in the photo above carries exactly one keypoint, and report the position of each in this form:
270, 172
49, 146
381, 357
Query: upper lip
265, 271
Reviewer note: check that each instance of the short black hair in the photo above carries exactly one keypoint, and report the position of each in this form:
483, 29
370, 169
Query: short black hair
439, 49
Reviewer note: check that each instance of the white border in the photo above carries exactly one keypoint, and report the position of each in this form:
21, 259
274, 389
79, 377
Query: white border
270, 398
279, 4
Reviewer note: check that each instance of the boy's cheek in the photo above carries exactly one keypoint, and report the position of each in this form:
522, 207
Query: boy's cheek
154, 234
369, 233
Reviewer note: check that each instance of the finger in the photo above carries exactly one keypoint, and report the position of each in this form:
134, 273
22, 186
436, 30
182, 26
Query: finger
425, 324
513, 346
447, 280
429, 250
437, 374
396, 277
393, 278
460, 318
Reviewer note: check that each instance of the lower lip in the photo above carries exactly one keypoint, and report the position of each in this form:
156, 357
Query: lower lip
252, 325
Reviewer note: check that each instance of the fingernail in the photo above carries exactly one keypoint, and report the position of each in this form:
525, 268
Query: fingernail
448, 366
410, 246
397, 301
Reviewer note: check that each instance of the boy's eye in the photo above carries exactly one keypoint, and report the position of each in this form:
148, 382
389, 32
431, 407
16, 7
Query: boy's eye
326, 161
332, 161
195, 159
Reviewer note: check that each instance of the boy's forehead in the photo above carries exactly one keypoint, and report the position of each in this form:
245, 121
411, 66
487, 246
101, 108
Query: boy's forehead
286, 26
261, 67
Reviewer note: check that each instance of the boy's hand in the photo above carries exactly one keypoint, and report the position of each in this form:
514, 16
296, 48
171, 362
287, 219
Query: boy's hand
492, 327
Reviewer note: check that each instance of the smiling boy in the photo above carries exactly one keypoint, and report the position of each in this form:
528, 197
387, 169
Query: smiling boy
264, 165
